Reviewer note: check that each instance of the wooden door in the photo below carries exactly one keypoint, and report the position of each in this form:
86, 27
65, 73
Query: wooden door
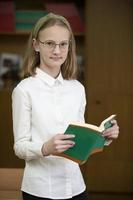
109, 88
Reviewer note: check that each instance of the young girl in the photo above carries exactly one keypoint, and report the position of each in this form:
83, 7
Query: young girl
44, 103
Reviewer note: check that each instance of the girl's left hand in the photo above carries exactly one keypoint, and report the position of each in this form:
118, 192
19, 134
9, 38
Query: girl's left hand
113, 132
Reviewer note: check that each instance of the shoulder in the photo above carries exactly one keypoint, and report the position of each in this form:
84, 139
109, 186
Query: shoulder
75, 84
23, 86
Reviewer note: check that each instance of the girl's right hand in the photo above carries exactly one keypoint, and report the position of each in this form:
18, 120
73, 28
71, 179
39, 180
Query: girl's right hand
58, 144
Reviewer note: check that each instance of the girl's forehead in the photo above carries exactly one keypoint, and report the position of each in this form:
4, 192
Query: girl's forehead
55, 31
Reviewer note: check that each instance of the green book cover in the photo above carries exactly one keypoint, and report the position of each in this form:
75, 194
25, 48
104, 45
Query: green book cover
29, 16
88, 140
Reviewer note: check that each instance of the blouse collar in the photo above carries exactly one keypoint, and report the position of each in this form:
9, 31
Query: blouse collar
47, 78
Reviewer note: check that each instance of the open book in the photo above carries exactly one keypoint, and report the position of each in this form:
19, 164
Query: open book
88, 140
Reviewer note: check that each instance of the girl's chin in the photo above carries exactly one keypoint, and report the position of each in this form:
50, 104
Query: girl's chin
55, 64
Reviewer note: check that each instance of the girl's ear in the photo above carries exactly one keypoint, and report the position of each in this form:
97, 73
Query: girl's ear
35, 45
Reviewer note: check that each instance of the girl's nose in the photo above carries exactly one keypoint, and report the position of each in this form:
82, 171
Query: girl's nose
56, 49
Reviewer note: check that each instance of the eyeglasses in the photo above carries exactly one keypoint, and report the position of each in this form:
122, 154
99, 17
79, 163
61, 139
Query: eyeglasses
51, 45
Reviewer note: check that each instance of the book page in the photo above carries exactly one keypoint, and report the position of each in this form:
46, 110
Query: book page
100, 128
91, 126
102, 125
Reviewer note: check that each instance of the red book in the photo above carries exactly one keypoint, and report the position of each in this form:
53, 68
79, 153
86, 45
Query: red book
70, 12
7, 21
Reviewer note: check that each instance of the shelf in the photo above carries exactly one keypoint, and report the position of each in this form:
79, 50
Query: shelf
25, 33
23, 15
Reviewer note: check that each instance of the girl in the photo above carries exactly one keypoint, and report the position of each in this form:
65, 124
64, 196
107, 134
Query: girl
44, 103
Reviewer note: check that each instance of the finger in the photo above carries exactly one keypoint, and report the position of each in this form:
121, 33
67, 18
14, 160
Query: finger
115, 132
64, 136
111, 135
64, 142
111, 129
67, 136
62, 148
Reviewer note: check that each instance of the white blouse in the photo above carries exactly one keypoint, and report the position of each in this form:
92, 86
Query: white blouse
43, 107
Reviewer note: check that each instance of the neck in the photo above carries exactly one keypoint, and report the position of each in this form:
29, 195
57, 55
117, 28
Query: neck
52, 72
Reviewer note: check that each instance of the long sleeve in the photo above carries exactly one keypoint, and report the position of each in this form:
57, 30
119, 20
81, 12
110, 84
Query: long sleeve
24, 147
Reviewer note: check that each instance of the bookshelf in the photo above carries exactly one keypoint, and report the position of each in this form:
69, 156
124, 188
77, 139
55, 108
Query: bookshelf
21, 13
20, 16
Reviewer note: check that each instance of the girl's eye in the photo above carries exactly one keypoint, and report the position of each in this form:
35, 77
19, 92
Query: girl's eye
63, 44
50, 44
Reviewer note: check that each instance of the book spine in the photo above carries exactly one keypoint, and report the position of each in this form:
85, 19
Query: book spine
7, 19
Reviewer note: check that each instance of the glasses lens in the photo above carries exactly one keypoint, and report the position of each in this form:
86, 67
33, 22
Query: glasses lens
63, 45
50, 44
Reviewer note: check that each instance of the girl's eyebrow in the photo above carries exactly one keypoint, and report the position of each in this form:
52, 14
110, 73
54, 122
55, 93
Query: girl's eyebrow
49, 40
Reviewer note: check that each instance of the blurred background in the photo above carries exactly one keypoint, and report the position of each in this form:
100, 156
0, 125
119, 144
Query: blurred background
103, 31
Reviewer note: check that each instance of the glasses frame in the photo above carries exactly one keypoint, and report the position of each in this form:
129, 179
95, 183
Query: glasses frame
55, 44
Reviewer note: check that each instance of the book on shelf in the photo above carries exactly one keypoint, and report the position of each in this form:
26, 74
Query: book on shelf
28, 16
27, 13
26, 19
7, 19
88, 140
70, 11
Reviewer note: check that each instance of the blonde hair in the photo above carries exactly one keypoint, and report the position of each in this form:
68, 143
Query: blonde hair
32, 60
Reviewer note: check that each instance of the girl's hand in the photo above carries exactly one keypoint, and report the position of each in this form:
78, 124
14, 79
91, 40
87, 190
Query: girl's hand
57, 144
112, 133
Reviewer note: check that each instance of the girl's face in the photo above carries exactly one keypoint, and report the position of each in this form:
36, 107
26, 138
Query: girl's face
53, 45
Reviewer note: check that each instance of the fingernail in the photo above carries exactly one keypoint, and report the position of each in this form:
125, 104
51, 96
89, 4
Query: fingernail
73, 136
